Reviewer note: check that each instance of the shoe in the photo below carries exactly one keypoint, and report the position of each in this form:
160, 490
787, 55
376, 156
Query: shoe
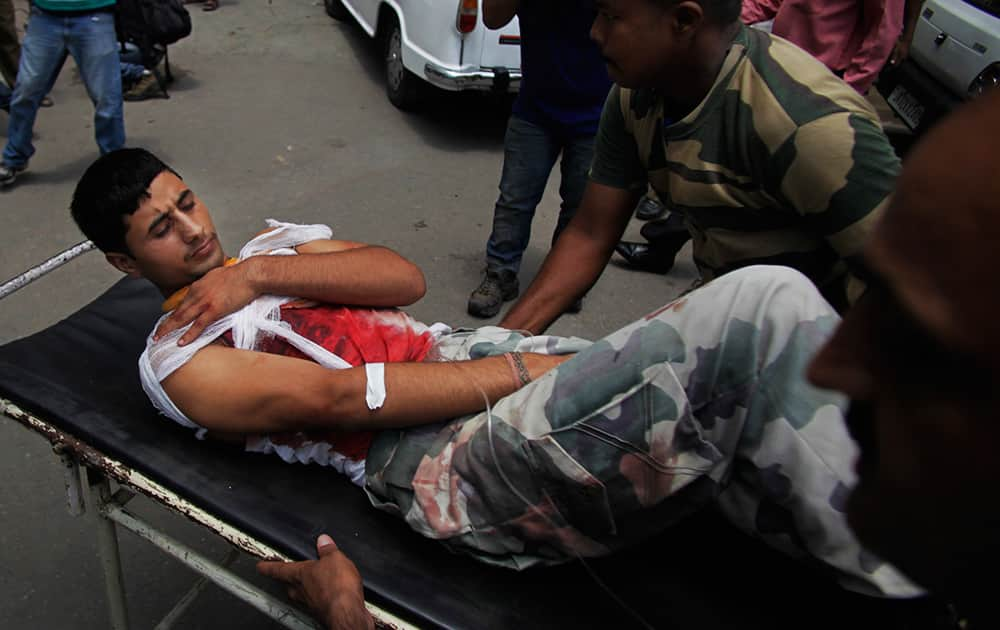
146, 87
47, 101
649, 209
670, 228
497, 287
645, 257
8, 174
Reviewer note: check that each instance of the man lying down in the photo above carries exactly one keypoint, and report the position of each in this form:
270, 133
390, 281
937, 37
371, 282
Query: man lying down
518, 450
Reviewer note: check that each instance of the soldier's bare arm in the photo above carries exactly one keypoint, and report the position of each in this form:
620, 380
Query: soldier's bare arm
577, 259
232, 391
497, 13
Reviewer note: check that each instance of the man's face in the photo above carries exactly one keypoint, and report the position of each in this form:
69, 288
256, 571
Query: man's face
918, 357
171, 237
638, 39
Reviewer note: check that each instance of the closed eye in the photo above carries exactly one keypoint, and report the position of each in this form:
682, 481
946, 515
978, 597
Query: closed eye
162, 228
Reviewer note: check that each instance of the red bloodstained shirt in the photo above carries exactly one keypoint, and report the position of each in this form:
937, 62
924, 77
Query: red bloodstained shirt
358, 336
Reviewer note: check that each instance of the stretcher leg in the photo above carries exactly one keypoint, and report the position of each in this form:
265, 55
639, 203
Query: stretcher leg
71, 479
107, 546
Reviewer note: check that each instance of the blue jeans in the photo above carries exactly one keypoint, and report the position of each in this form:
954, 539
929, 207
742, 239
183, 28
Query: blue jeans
530, 151
131, 62
131, 72
91, 39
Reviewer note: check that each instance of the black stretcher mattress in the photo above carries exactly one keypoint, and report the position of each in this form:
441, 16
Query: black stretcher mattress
80, 375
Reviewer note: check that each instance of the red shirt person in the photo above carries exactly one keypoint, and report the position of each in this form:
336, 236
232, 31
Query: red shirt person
854, 38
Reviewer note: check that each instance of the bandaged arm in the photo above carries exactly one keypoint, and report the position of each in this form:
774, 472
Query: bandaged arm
227, 390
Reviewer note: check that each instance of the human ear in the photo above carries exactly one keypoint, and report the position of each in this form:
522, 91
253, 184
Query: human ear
123, 263
687, 16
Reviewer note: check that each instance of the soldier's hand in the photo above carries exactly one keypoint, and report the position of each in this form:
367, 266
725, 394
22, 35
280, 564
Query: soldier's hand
330, 586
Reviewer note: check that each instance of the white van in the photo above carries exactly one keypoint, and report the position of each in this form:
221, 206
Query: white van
955, 56
443, 42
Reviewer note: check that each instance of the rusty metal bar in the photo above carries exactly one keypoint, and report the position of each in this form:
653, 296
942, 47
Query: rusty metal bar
284, 614
96, 460
185, 602
36, 272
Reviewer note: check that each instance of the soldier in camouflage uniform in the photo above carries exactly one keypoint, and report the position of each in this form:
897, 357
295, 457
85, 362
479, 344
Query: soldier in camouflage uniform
701, 402
766, 154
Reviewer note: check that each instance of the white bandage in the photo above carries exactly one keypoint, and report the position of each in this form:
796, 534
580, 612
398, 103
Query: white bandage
375, 390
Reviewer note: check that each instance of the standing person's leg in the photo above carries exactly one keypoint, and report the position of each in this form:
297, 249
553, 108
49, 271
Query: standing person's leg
577, 154
10, 49
529, 154
132, 72
42, 54
94, 45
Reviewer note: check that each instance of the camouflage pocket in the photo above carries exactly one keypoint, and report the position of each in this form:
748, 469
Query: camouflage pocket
578, 497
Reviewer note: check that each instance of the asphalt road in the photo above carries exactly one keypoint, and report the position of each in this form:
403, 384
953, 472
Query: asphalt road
277, 111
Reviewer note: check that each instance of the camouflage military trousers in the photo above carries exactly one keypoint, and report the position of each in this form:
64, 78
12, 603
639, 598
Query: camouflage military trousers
701, 402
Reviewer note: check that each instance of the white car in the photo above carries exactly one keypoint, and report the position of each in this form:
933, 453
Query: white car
955, 56
443, 42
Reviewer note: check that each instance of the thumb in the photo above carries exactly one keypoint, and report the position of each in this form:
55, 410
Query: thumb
325, 545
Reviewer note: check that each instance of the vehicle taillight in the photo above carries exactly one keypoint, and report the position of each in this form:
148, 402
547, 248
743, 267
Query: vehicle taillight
468, 14
988, 80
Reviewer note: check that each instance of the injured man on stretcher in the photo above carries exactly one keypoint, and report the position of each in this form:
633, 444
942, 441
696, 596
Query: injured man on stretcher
516, 449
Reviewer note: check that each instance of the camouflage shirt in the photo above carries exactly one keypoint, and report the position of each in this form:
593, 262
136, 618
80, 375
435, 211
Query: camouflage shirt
781, 163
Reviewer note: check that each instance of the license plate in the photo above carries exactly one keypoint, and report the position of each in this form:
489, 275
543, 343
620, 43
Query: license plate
906, 106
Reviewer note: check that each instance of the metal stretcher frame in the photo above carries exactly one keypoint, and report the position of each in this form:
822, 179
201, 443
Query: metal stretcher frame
89, 472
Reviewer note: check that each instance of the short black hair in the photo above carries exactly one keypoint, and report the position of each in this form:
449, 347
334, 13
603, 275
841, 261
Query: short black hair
723, 12
111, 188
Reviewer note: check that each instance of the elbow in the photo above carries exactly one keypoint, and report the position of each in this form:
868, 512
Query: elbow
495, 17
494, 23
343, 407
414, 287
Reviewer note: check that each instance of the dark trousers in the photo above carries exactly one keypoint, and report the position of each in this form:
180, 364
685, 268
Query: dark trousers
10, 50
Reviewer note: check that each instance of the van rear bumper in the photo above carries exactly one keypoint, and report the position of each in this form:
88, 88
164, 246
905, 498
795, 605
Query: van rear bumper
485, 79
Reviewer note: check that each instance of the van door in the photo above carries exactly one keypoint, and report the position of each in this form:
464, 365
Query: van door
955, 40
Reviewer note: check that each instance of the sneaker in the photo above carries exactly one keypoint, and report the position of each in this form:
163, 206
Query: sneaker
497, 287
146, 87
8, 174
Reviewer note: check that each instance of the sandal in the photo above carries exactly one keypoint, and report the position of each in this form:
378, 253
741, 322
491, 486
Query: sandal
210, 5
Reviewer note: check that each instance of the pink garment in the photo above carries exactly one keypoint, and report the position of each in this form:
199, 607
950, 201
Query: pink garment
854, 38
